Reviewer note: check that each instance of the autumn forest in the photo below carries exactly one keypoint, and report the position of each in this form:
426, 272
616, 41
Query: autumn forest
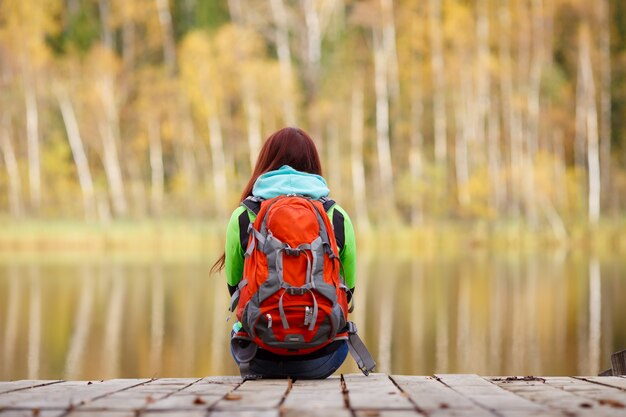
448, 110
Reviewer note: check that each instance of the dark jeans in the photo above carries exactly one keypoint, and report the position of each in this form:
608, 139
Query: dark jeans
315, 368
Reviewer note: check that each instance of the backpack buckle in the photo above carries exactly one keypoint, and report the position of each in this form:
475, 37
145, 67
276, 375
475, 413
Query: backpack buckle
296, 291
351, 327
292, 251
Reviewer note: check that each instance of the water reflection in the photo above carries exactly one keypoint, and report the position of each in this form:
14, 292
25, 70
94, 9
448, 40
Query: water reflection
492, 314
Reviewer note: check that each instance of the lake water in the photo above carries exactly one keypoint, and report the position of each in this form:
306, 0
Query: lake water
105, 316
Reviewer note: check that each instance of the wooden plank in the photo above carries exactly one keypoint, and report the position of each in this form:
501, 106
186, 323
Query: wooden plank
605, 399
184, 402
352, 395
174, 413
201, 394
375, 391
29, 413
264, 394
79, 413
387, 413
490, 396
174, 381
65, 394
553, 396
136, 397
9, 386
605, 395
319, 412
233, 380
431, 396
611, 381
318, 394
245, 413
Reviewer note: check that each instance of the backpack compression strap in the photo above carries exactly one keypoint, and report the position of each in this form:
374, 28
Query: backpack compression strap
359, 351
338, 226
254, 205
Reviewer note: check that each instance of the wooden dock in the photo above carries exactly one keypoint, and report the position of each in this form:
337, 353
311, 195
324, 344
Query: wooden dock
378, 395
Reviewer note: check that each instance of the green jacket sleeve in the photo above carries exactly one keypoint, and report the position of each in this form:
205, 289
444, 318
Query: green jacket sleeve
348, 252
233, 265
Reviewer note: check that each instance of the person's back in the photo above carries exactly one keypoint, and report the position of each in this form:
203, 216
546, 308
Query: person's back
297, 325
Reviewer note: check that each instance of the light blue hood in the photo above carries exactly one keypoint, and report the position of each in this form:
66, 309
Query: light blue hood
287, 180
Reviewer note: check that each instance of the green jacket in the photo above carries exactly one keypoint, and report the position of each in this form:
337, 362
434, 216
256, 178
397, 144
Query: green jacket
286, 180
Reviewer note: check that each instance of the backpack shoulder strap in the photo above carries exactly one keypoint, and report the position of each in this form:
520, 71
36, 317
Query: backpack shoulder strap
338, 226
254, 205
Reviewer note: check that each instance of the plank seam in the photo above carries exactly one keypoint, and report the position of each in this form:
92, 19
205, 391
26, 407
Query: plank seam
479, 405
580, 378
32, 386
211, 408
588, 400
346, 397
542, 380
73, 407
407, 396
281, 412
139, 410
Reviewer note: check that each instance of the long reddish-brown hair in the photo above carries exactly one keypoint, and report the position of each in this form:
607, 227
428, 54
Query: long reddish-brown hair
288, 146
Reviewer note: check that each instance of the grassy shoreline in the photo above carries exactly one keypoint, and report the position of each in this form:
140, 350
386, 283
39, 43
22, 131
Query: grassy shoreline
194, 237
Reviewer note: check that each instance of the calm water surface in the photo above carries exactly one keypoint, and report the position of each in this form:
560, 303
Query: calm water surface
493, 314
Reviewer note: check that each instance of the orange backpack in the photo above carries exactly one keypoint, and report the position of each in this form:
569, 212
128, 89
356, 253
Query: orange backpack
292, 299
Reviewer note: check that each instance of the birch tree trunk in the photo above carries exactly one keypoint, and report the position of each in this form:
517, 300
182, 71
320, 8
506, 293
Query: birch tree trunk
560, 169
253, 122
462, 128
333, 157
382, 120
104, 6
156, 166
509, 113
78, 153
251, 104
591, 125
32, 136
356, 153
193, 157
498, 190
416, 141
219, 167
524, 177
108, 131
236, 11
313, 49
128, 43
439, 95
533, 103
579, 138
483, 86
389, 45
284, 58
167, 31
605, 96
13, 174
